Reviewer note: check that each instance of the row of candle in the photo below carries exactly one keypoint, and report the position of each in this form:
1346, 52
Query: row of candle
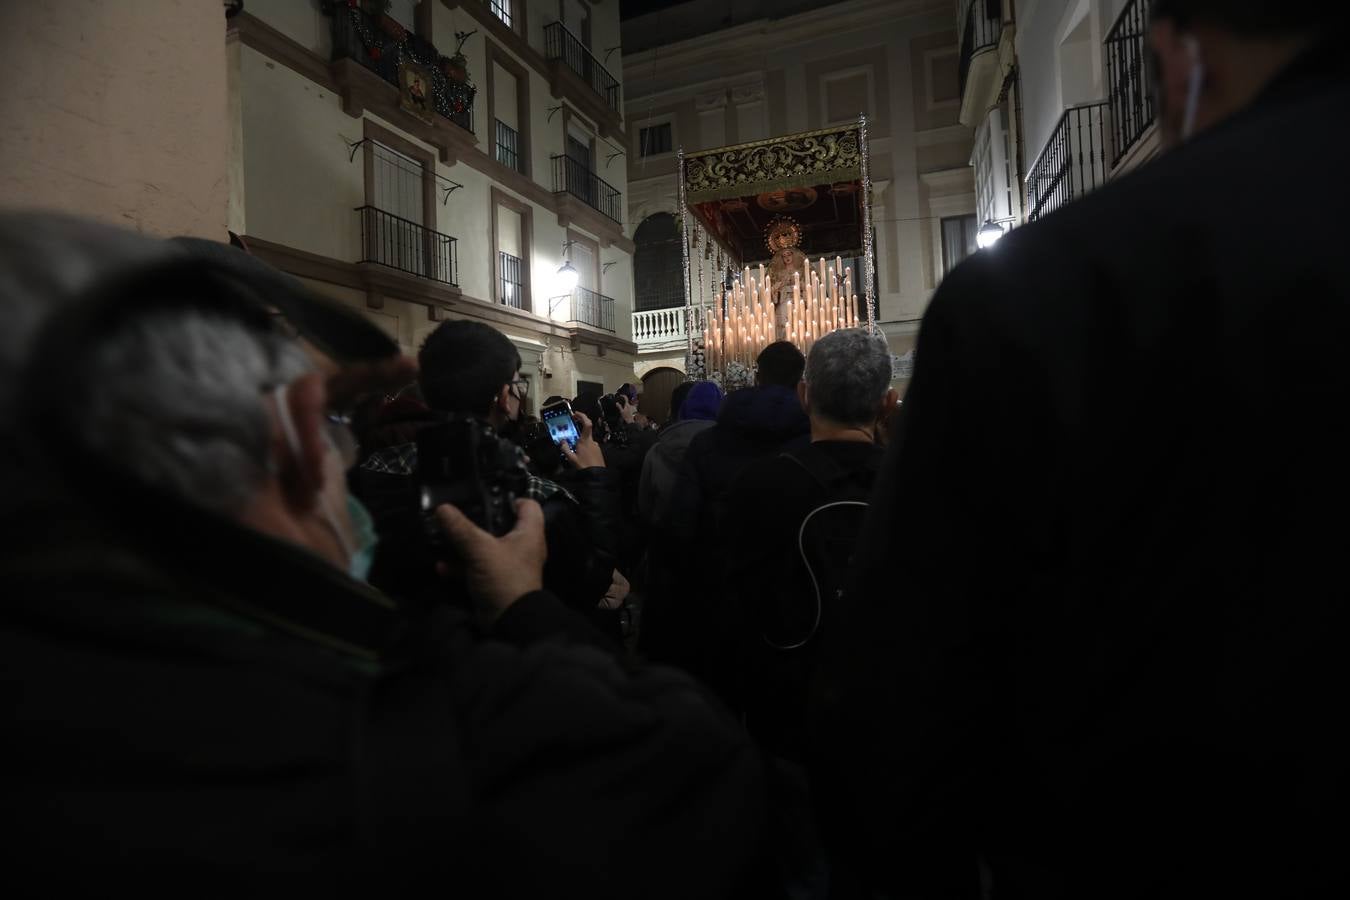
747, 321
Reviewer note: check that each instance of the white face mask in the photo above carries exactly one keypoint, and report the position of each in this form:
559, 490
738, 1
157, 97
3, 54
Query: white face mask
362, 555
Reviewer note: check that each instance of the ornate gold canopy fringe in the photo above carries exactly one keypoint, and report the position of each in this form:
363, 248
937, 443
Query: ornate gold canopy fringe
795, 160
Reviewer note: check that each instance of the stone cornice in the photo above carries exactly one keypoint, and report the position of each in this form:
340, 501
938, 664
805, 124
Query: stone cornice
253, 32
379, 282
361, 90
572, 211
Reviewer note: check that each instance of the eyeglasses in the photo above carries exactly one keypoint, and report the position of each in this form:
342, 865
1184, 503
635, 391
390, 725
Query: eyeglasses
524, 387
337, 427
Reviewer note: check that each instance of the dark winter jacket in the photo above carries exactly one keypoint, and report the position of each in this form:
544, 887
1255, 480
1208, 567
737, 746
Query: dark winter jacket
769, 591
661, 470
190, 702
1098, 641
752, 424
686, 623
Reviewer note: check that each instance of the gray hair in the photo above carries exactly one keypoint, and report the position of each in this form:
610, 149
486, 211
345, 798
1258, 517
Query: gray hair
46, 260
848, 372
177, 399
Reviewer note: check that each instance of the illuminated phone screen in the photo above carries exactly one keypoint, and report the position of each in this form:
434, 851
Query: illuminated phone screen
561, 427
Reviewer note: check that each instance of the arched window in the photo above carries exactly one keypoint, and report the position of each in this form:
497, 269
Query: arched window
658, 275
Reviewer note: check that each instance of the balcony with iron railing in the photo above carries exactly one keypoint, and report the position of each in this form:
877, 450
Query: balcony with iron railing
402, 244
565, 47
1074, 161
366, 39
980, 33
588, 307
1127, 78
574, 178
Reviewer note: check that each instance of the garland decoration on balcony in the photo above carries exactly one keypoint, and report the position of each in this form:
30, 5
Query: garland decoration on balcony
451, 95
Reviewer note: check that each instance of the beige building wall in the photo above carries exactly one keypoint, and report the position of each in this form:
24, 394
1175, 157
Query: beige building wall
895, 60
116, 111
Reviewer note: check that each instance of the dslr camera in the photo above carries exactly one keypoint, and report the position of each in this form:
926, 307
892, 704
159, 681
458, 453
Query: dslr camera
461, 461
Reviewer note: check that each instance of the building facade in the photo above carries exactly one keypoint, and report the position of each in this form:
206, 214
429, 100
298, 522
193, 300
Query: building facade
96, 126
436, 159
695, 81
1058, 94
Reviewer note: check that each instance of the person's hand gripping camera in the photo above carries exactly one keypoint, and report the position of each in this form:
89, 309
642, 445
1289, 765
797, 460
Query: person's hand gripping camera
498, 571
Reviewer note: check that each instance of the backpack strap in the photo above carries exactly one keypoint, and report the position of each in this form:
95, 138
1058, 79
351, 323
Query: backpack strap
824, 471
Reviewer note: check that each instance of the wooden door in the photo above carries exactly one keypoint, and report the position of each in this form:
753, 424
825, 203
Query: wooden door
657, 386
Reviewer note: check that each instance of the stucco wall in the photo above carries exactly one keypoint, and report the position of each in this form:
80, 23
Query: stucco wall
299, 187
116, 111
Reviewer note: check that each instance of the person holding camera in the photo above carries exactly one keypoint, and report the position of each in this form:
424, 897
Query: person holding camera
469, 370
202, 689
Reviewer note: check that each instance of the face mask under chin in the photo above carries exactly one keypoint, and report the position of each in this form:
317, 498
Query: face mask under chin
358, 546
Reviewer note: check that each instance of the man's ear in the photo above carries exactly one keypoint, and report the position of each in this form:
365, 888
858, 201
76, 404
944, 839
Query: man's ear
302, 476
804, 396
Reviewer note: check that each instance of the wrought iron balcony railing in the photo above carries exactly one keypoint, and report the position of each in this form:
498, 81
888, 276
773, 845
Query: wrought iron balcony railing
1073, 162
559, 43
508, 146
358, 35
402, 244
510, 287
1131, 96
982, 29
575, 178
590, 308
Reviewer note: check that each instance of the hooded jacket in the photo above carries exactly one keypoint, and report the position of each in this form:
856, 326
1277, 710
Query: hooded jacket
661, 468
752, 424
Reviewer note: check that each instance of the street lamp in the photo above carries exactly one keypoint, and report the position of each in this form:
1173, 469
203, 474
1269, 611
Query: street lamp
567, 277
988, 234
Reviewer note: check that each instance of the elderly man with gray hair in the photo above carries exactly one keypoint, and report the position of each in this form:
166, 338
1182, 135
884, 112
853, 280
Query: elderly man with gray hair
806, 506
202, 691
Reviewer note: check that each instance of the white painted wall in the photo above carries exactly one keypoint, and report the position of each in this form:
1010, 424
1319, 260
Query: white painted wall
299, 187
1038, 59
301, 21
1062, 60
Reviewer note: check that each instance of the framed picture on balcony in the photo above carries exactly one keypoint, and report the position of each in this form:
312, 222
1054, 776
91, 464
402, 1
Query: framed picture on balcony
415, 90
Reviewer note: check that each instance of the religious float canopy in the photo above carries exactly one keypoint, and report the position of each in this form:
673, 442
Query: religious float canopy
788, 221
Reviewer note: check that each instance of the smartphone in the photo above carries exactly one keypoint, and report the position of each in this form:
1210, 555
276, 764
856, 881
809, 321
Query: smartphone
561, 426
